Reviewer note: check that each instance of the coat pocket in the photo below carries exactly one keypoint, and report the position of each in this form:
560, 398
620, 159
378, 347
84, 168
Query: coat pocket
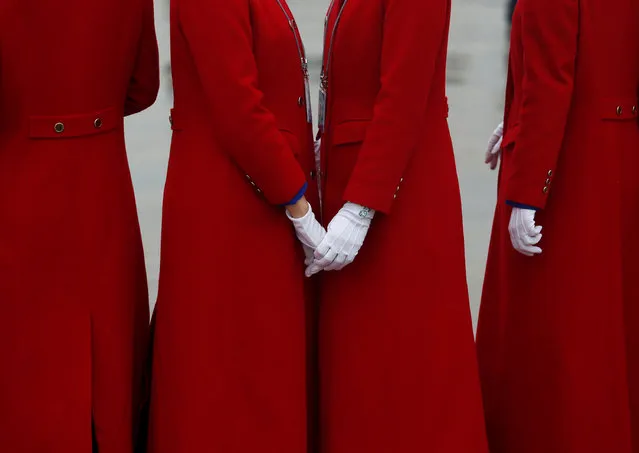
77, 125
350, 132
292, 141
510, 136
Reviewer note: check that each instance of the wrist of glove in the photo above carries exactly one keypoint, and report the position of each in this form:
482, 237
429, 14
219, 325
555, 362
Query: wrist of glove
524, 234
344, 238
309, 232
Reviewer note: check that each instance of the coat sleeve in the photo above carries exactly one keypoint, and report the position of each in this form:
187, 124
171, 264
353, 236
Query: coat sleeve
220, 37
414, 32
145, 80
549, 41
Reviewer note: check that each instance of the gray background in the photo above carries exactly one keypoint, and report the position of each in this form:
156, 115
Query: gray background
475, 90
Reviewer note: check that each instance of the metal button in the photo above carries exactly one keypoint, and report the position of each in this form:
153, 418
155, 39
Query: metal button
58, 127
634, 109
549, 172
395, 196
259, 190
253, 184
300, 101
401, 180
548, 181
171, 120
97, 123
545, 189
312, 174
248, 177
619, 110
397, 189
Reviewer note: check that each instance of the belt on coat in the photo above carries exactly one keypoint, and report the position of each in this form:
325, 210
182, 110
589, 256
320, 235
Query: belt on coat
611, 108
621, 108
75, 125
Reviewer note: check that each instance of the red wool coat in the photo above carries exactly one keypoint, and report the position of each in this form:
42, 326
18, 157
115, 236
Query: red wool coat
230, 338
397, 358
73, 297
558, 337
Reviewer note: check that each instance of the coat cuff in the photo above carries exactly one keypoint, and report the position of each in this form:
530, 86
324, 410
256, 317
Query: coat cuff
297, 196
514, 204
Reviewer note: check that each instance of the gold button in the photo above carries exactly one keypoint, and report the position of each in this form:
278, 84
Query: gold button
545, 189
395, 196
97, 123
634, 109
312, 174
548, 181
58, 127
253, 184
398, 188
300, 101
619, 110
259, 190
248, 177
549, 172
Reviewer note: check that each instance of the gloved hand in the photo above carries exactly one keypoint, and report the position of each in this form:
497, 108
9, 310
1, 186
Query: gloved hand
524, 234
494, 147
309, 232
344, 238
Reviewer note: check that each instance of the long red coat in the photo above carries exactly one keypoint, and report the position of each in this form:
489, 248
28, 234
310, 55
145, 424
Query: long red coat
229, 365
558, 336
73, 297
397, 358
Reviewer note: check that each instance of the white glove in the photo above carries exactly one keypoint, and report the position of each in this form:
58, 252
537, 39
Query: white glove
524, 235
494, 147
309, 232
344, 238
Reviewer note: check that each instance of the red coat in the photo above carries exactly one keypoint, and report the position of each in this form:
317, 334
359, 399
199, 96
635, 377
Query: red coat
397, 358
230, 339
73, 296
559, 333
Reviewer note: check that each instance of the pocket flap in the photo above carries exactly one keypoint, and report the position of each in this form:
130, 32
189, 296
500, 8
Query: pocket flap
353, 131
510, 136
292, 141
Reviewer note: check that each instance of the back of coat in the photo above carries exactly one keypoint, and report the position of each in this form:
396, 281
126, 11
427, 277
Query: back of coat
73, 299
558, 333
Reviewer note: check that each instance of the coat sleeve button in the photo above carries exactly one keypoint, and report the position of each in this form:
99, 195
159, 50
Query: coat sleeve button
545, 189
549, 172
97, 123
619, 110
300, 101
58, 128
548, 181
634, 109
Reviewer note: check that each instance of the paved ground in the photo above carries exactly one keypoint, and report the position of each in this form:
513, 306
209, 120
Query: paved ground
476, 73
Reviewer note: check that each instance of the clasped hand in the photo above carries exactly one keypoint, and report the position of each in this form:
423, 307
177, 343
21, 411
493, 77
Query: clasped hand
336, 248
